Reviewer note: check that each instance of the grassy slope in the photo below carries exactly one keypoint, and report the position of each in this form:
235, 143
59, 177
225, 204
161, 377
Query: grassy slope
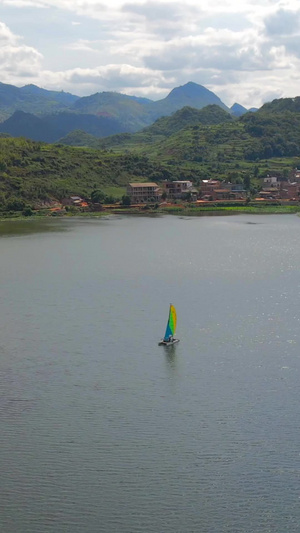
210, 143
218, 150
37, 171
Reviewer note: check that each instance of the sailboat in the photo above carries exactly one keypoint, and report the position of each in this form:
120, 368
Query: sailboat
171, 328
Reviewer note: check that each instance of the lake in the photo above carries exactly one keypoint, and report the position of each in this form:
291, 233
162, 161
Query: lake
102, 430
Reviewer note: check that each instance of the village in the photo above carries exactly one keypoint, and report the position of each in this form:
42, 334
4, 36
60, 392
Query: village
213, 190
274, 189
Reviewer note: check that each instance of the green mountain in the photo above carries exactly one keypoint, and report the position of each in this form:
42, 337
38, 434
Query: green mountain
80, 138
31, 99
61, 97
188, 116
276, 134
136, 113
22, 124
32, 173
50, 128
230, 147
164, 126
282, 105
198, 135
191, 94
238, 110
146, 111
130, 111
115, 113
189, 143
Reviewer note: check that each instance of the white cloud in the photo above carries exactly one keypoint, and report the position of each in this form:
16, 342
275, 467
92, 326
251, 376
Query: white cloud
240, 51
82, 44
120, 77
24, 3
6, 36
16, 59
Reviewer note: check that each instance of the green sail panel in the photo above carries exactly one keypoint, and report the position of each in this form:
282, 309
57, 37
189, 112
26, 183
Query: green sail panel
171, 325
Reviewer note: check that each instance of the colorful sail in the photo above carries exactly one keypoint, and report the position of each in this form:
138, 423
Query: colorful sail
171, 325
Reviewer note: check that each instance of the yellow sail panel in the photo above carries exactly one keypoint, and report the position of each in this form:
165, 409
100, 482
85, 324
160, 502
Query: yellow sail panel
172, 319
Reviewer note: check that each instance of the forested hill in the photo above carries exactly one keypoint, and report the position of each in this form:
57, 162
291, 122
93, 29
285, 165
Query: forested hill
164, 126
32, 99
282, 105
198, 134
276, 133
33, 173
188, 116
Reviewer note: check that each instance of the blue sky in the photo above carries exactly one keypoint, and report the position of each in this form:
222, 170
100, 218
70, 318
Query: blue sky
247, 52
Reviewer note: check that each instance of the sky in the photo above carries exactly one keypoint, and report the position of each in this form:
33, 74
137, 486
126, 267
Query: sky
245, 51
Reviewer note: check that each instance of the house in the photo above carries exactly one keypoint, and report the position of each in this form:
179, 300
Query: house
72, 200
289, 191
217, 190
269, 194
295, 175
271, 182
207, 186
237, 191
179, 189
143, 192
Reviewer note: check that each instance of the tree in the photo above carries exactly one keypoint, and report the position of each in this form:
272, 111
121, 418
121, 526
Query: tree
97, 196
126, 200
15, 204
247, 182
27, 212
110, 199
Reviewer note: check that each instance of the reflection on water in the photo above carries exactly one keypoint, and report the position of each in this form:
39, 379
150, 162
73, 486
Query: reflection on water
170, 354
102, 430
31, 226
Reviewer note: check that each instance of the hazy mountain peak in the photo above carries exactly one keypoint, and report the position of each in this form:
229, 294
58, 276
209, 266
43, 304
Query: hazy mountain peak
238, 110
194, 95
190, 89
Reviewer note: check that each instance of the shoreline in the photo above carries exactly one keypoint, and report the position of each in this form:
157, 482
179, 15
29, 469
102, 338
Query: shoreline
189, 211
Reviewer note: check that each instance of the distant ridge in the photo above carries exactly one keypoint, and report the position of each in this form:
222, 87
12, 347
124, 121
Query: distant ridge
100, 114
32, 99
238, 110
22, 124
191, 94
62, 97
51, 128
164, 126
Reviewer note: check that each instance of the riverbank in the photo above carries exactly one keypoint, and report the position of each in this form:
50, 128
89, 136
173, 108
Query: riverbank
196, 210
266, 209
182, 210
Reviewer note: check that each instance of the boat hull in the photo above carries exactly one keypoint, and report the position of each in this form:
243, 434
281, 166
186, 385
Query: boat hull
168, 343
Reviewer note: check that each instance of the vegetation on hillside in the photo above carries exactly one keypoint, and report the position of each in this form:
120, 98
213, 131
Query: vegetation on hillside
32, 99
99, 114
228, 149
191, 144
34, 173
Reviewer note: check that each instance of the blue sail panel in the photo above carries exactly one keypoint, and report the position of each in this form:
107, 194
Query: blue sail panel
168, 332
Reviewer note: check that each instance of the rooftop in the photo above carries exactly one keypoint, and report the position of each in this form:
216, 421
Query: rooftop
149, 184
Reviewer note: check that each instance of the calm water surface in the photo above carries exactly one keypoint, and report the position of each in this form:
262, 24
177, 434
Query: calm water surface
101, 429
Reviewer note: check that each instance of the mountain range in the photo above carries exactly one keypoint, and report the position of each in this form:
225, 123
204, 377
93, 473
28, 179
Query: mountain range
210, 136
190, 143
43, 115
